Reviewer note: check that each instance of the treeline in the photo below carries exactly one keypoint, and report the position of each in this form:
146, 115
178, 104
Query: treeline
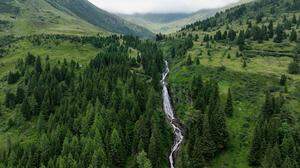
207, 134
104, 115
261, 33
256, 10
276, 137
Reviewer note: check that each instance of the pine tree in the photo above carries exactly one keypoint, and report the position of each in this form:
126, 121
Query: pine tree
41, 123
189, 60
283, 80
293, 36
294, 19
20, 95
10, 100
38, 66
231, 35
216, 118
289, 163
197, 61
256, 147
154, 151
229, 105
241, 40
98, 158
279, 34
143, 161
116, 148
26, 109
218, 36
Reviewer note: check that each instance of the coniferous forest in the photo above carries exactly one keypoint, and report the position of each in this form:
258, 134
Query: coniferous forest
76, 94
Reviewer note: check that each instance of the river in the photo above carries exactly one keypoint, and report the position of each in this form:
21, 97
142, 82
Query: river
178, 132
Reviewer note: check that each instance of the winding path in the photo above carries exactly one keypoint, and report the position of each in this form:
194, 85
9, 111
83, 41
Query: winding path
178, 132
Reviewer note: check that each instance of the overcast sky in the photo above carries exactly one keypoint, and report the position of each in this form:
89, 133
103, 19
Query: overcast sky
158, 6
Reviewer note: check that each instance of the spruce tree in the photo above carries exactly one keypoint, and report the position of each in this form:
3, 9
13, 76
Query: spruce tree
279, 34
241, 40
229, 105
116, 149
38, 65
293, 36
154, 151
283, 80
216, 117
26, 109
20, 95
189, 60
143, 161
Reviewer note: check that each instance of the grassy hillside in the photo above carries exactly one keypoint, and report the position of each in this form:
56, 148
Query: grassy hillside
36, 17
250, 68
25, 17
100, 18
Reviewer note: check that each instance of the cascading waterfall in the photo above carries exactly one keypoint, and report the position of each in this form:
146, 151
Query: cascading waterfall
178, 133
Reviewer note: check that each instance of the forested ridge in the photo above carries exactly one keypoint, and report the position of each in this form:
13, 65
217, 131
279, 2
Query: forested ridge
104, 115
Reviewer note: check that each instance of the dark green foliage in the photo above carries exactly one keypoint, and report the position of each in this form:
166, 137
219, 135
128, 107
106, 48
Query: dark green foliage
117, 151
271, 29
30, 59
26, 109
20, 95
189, 60
38, 66
216, 119
101, 115
279, 34
143, 161
293, 36
241, 40
274, 137
294, 66
10, 100
229, 105
231, 35
283, 80
207, 133
218, 36
13, 77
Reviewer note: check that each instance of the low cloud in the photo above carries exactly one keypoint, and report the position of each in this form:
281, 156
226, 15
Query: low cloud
158, 6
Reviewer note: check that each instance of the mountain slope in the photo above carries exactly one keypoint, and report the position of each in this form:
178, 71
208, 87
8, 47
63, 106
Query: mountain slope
172, 22
95, 16
252, 51
24, 17
169, 22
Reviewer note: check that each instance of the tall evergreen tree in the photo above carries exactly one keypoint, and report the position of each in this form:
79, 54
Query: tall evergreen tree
26, 109
116, 148
229, 105
143, 161
216, 117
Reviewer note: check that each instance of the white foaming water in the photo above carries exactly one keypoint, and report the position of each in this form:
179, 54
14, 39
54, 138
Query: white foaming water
178, 136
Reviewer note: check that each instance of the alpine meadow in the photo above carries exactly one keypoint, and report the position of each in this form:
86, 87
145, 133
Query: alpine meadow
149, 84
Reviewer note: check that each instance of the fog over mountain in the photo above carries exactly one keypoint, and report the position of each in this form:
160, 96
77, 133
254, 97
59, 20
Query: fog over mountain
159, 6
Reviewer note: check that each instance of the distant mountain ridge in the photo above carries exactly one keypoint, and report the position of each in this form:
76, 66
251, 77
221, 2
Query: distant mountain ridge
172, 22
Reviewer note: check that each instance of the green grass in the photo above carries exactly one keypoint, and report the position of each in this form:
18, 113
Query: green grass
37, 17
248, 87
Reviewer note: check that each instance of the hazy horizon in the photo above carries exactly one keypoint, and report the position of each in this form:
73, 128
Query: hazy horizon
159, 6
